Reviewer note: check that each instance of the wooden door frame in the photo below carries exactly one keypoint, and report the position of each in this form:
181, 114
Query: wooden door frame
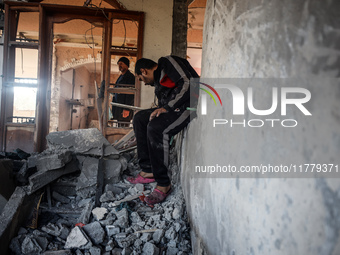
50, 14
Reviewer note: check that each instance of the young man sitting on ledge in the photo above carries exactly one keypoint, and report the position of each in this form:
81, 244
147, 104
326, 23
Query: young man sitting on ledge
154, 127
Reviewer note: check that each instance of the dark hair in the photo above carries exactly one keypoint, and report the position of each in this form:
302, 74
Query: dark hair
144, 63
125, 60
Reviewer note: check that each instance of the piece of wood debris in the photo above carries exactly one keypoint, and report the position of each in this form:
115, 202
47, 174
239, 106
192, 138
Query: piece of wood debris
116, 203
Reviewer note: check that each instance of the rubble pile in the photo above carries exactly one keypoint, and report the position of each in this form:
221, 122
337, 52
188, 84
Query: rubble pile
89, 208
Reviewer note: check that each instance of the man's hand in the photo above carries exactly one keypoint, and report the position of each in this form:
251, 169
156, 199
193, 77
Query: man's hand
157, 112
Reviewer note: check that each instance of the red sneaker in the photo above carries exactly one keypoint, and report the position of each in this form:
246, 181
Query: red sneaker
156, 197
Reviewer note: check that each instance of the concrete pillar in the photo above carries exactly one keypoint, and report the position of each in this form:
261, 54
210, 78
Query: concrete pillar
278, 39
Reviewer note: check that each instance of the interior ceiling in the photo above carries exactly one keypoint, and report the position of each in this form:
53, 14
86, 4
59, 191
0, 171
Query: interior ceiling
79, 32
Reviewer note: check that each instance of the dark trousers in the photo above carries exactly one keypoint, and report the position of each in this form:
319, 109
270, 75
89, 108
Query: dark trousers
153, 138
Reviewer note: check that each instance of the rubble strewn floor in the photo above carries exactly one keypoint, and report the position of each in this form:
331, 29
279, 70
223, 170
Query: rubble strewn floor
75, 219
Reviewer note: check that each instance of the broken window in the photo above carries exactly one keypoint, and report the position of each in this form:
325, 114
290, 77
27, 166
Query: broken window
25, 86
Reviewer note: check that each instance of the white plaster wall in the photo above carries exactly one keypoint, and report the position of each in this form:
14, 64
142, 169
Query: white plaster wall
157, 34
254, 38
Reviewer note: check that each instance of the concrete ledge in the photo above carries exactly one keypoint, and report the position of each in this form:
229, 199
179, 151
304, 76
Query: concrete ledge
13, 216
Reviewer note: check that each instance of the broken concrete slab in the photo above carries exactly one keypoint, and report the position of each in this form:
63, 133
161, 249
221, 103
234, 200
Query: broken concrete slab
42, 178
86, 213
95, 231
90, 180
113, 169
14, 215
78, 239
50, 160
82, 141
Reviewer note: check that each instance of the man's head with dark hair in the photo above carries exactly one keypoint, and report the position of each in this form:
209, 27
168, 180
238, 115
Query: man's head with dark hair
123, 64
144, 63
144, 70
125, 60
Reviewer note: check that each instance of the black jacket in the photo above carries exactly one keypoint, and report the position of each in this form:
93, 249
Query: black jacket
127, 78
172, 83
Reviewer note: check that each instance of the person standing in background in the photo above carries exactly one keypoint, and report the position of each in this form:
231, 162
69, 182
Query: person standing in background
126, 77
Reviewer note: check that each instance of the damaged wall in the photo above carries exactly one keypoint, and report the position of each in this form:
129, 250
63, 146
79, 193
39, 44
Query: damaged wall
279, 215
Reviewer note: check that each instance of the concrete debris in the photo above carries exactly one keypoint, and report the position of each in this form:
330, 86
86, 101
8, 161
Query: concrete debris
88, 180
78, 252
170, 233
110, 245
128, 198
122, 218
95, 251
107, 197
82, 141
99, 213
95, 231
112, 230
50, 160
51, 229
126, 242
157, 235
116, 251
86, 213
146, 237
113, 169
84, 202
150, 249
176, 214
60, 198
82, 217
172, 251
135, 217
42, 178
30, 245
61, 252
113, 188
78, 239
